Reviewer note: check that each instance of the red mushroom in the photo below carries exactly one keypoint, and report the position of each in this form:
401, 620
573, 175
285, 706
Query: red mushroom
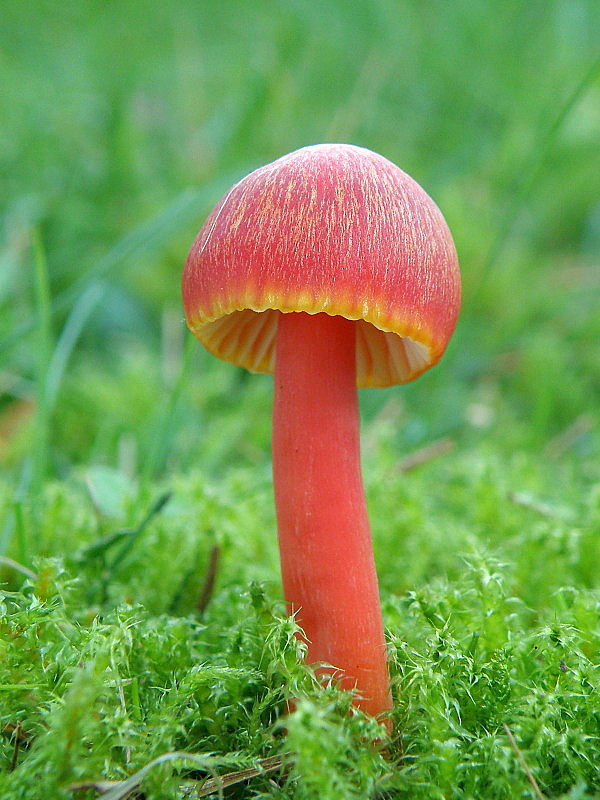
332, 269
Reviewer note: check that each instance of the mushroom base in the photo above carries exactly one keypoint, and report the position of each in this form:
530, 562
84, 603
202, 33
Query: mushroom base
327, 563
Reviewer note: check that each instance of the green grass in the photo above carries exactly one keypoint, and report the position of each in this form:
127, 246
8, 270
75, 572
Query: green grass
128, 454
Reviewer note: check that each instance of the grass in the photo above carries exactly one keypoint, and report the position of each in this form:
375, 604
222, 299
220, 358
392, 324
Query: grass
130, 458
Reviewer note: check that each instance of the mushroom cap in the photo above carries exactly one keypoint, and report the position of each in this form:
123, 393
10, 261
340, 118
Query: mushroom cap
330, 228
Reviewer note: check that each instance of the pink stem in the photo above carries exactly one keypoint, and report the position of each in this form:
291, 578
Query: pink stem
327, 564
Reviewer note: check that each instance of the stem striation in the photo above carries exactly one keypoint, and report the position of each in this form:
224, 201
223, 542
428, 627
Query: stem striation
327, 563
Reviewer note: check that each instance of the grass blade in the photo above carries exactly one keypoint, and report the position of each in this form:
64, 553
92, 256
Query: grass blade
159, 449
537, 161
144, 239
43, 305
84, 307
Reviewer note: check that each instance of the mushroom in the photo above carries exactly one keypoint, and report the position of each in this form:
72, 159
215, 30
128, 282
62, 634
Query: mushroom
330, 268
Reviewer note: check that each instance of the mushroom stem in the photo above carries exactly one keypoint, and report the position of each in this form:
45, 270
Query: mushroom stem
327, 563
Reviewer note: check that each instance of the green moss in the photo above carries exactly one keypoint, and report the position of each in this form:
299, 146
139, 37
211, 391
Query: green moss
106, 666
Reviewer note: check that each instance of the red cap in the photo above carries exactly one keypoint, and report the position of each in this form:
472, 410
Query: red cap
329, 228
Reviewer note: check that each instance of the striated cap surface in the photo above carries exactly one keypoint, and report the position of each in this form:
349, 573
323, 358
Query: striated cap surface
329, 228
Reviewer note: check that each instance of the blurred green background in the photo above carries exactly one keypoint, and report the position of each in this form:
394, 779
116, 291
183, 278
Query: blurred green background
122, 124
